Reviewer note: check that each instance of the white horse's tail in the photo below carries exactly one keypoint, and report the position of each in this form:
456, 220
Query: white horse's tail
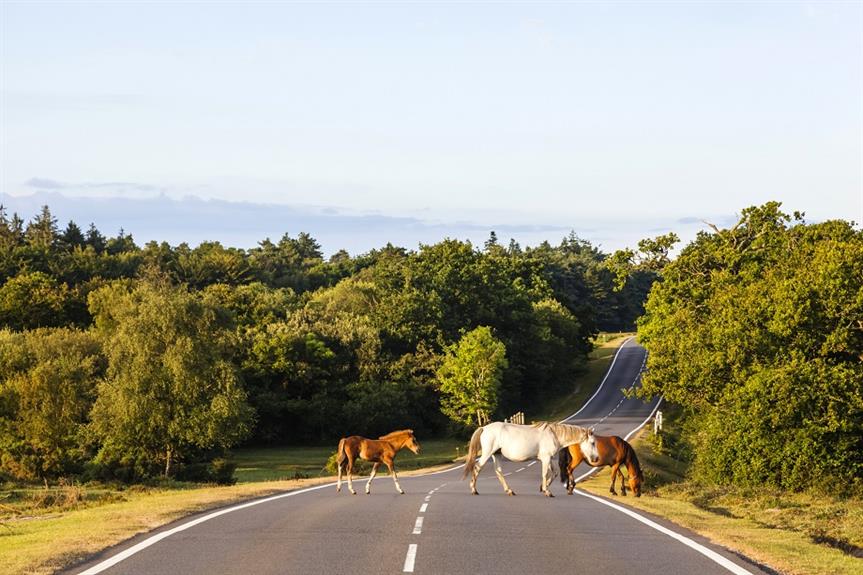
472, 452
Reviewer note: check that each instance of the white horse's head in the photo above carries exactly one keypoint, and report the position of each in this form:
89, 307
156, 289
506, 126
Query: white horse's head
588, 448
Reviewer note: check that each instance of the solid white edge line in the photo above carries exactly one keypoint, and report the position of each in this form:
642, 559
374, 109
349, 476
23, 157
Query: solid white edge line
607, 373
113, 560
709, 553
410, 558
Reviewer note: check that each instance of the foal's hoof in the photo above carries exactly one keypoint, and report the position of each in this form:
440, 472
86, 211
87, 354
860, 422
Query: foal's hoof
510, 492
353, 492
401, 492
549, 494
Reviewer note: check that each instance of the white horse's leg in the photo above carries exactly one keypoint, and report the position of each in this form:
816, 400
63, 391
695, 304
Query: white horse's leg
372, 476
544, 487
477, 468
339, 485
500, 476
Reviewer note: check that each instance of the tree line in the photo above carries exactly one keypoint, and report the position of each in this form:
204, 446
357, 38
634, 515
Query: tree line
124, 362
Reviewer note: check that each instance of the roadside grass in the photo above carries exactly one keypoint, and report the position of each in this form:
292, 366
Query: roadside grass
605, 346
793, 533
279, 463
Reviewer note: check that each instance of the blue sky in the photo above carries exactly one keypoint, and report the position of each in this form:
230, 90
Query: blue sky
617, 120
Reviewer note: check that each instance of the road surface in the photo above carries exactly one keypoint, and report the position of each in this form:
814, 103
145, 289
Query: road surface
438, 527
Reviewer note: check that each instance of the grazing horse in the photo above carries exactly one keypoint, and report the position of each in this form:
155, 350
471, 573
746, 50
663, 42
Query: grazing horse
377, 451
614, 451
522, 442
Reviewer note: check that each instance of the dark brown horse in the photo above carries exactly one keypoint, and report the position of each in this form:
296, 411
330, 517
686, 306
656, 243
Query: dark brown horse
377, 451
613, 451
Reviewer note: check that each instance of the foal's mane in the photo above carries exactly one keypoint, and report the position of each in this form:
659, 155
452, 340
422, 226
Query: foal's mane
400, 434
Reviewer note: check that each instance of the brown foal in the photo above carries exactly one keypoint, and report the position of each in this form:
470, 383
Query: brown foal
377, 451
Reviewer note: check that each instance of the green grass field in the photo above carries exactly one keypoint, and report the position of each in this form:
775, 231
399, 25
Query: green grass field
279, 463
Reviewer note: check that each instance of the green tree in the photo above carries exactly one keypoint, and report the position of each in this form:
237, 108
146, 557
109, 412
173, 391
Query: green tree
31, 300
47, 387
756, 330
171, 391
470, 377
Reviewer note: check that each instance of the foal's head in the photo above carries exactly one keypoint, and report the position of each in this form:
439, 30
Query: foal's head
412, 443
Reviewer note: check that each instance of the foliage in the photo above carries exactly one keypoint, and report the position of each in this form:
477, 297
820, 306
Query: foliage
47, 388
470, 377
757, 331
170, 389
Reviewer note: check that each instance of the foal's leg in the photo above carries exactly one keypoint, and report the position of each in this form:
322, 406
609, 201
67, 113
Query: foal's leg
372, 476
500, 476
339, 485
392, 469
350, 467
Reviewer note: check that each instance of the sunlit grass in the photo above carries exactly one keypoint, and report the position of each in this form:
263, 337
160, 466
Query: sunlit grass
794, 533
276, 463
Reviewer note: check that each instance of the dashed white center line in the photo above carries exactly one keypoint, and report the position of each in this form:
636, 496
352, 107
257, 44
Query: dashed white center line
428, 497
531, 463
418, 526
423, 507
410, 558
520, 469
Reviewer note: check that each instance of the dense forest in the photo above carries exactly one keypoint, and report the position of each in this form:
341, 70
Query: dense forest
119, 361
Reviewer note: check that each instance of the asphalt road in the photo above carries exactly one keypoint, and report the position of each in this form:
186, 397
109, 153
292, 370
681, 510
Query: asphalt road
438, 527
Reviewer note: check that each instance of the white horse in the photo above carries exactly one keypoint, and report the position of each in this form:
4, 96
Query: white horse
522, 442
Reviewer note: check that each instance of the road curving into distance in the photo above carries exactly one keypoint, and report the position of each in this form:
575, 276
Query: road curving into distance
438, 527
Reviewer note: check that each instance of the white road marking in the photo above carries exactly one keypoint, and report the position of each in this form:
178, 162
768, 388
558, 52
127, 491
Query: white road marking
531, 463
428, 498
110, 562
709, 553
520, 469
418, 526
410, 558
607, 373
423, 507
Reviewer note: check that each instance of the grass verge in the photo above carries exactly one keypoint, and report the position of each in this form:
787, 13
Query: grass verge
792, 533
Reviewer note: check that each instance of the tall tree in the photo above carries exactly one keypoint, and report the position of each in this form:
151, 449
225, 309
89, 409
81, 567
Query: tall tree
470, 377
171, 390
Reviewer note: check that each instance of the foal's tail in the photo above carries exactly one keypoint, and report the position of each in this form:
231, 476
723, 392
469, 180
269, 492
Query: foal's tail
563, 460
472, 452
340, 453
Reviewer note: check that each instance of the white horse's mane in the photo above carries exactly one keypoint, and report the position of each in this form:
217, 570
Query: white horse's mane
566, 434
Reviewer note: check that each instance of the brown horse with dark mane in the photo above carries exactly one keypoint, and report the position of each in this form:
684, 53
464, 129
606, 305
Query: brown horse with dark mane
377, 451
613, 451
